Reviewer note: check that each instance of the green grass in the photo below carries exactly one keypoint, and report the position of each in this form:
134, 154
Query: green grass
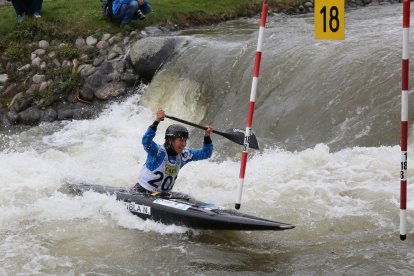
82, 17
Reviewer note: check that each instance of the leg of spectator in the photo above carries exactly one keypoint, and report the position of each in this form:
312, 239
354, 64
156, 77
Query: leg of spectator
19, 7
145, 7
37, 8
130, 12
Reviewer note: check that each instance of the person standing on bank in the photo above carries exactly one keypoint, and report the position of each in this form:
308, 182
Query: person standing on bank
25, 7
165, 161
127, 10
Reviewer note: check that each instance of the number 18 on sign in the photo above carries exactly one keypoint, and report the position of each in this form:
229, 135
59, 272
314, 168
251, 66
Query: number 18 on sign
329, 19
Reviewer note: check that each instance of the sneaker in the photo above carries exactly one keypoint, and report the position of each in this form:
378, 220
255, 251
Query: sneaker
37, 15
20, 18
140, 15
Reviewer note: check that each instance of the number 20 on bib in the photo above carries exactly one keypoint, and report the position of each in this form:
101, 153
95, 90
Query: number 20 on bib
329, 18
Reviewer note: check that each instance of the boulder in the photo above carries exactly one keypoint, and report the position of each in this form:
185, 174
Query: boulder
30, 116
110, 90
4, 78
148, 54
43, 44
10, 91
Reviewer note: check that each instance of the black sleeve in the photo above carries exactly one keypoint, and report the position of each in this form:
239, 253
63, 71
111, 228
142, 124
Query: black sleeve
207, 140
154, 125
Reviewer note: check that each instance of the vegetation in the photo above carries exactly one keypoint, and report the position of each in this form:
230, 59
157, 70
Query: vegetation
77, 17
64, 21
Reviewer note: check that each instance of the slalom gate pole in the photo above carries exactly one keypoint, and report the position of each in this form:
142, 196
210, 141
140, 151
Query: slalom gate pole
404, 120
251, 104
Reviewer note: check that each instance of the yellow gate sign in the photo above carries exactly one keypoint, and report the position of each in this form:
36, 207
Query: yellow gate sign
329, 18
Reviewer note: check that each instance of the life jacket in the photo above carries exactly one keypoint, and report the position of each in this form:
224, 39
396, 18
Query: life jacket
161, 179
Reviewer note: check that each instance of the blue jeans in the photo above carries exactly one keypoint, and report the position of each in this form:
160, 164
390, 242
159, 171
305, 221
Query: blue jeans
127, 12
145, 7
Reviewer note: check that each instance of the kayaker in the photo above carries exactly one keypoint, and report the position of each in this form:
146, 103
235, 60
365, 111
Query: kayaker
165, 161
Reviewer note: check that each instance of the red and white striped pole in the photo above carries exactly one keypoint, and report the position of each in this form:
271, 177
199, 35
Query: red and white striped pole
404, 120
249, 121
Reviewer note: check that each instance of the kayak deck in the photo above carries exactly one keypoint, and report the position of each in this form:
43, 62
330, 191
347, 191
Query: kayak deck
179, 209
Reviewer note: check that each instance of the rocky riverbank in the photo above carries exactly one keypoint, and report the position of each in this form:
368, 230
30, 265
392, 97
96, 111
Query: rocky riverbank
66, 80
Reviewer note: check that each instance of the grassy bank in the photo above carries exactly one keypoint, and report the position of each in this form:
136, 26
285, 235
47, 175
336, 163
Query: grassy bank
80, 17
65, 20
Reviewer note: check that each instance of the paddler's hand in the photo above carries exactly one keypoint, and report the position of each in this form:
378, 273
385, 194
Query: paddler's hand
208, 131
160, 115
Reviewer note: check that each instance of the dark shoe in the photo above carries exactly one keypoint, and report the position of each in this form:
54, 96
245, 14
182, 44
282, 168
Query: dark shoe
140, 15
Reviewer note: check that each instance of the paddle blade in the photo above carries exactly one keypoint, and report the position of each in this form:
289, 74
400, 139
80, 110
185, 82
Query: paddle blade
237, 135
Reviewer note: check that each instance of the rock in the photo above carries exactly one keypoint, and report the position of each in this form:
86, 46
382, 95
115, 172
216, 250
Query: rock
82, 113
102, 44
24, 68
12, 117
308, 5
98, 61
43, 44
37, 62
52, 55
86, 70
38, 78
43, 66
106, 68
39, 52
30, 116
84, 57
32, 89
129, 78
105, 37
96, 80
25, 104
13, 65
10, 91
4, 78
133, 33
120, 66
91, 41
56, 62
149, 54
86, 93
49, 115
110, 90
65, 114
153, 30
32, 56
4, 121
115, 39
112, 55
43, 86
80, 42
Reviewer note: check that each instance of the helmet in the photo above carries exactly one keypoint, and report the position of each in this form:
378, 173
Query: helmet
176, 131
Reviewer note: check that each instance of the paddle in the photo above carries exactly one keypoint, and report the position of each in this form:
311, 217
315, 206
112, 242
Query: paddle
235, 135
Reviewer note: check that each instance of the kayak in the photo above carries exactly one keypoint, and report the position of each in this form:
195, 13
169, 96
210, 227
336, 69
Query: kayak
180, 209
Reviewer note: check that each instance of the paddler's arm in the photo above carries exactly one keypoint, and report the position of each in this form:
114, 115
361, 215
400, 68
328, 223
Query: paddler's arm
147, 140
206, 151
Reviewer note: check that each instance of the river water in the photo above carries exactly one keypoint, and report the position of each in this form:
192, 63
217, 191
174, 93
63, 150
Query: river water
327, 119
